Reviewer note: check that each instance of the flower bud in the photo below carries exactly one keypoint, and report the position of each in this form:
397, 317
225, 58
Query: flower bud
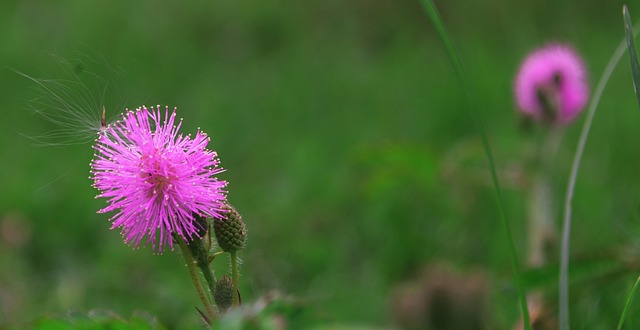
224, 293
230, 231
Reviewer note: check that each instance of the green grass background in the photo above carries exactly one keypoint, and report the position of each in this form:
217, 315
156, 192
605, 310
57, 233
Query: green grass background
340, 124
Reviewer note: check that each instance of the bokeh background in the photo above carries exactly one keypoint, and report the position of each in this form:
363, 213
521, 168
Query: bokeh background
348, 147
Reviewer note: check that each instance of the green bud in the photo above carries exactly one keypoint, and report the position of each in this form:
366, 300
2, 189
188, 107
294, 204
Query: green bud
231, 232
224, 293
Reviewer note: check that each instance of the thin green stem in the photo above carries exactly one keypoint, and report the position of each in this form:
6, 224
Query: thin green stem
200, 254
235, 275
475, 113
542, 230
633, 52
627, 305
566, 229
186, 253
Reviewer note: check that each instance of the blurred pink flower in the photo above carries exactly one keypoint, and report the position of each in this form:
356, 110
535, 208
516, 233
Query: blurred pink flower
157, 180
551, 84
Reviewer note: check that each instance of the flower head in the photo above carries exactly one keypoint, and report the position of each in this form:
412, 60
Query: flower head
551, 84
156, 179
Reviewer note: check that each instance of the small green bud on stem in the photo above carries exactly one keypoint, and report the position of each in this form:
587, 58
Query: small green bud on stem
225, 293
230, 231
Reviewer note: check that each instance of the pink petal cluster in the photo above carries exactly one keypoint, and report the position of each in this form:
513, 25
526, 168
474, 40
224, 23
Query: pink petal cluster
557, 73
155, 179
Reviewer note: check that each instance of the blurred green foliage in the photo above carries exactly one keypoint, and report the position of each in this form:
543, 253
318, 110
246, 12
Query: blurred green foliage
346, 142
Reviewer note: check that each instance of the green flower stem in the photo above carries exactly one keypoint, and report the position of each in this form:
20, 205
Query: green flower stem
234, 277
542, 228
542, 233
186, 253
201, 257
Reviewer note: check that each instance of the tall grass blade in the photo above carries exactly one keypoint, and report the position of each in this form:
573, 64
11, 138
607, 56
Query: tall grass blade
635, 73
433, 14
566, 228
633, 53
627, 306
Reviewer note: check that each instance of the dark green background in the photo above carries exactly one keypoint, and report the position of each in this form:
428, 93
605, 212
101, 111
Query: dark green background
341, 126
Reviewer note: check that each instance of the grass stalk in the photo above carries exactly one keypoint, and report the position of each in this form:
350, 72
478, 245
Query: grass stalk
627, 305
566, 227
433, 14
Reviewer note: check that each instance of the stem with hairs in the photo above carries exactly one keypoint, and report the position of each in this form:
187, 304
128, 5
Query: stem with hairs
235, 275
186, 253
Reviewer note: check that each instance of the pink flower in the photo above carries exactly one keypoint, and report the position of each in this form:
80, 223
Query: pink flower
156, 180
551, 85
